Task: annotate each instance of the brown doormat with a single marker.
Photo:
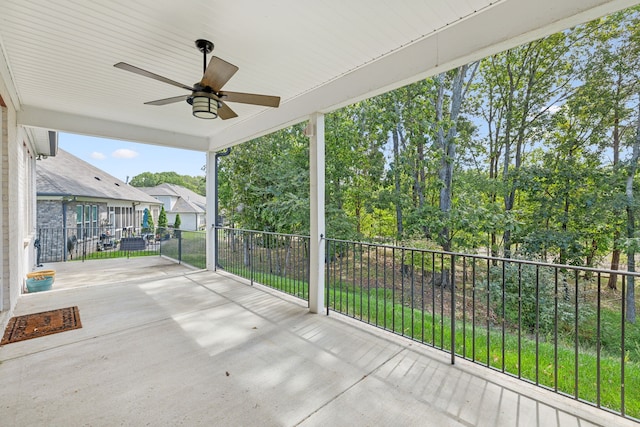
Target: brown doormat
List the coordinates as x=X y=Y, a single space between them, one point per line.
x=36 y=325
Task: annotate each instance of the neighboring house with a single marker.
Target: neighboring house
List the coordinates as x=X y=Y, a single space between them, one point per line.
x=77 y=201
x=179 y=200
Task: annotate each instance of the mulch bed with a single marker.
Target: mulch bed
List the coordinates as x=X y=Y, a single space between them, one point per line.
x=36 y=325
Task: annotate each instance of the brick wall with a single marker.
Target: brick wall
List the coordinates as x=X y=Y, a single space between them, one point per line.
x=5 y=292
x=17 y=185
x=49 y=213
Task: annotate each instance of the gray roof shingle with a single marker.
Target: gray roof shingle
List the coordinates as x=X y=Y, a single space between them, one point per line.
x=188 y=201
x=67 y=175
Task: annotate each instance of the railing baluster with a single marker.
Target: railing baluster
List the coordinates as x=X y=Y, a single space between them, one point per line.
x=577 y=343
x=537 y=325
x=598 y=306
x=327 y=280
x=412 y=294
x=623 y=351
x=433 y=299
x=393 y=289
x=442 y=283
x=488 y=313
x=453 y=309
x=555 y=331
x=376 y=287
x=368 y=283
x=519 y=320
x=464 y=307
x=402 y=272
x=422 y=295
x=473 y=312
x=503 y=322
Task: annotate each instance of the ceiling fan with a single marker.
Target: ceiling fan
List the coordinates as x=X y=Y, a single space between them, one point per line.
x=207 y=98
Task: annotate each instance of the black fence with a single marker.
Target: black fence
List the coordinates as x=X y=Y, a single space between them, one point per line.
x=559 y=327
x=60 y=244
x=280 y=261
x=556 y=326
x=186 y=247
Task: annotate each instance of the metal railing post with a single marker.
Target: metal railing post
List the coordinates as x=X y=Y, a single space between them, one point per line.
x=453 y=309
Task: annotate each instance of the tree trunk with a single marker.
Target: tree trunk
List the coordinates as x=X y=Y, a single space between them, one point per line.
x=631 y=266
x=287 y=256
x=246 y=252
x=615 y=264
x=396 y=180
x=447 y=145
x=615 y=256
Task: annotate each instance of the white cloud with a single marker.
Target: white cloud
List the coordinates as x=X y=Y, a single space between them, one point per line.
x=98 y=156
x=124 y=153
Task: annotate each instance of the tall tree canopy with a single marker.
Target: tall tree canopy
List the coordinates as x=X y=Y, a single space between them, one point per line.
x=528 y=153
x=151 y=179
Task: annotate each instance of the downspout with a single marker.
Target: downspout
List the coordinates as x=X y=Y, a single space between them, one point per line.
x=216 y=203
x=64 y=230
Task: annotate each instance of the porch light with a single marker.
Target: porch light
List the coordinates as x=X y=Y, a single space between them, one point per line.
x=205 y=106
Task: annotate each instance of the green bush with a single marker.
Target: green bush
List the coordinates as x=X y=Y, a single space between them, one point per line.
x=527 y=296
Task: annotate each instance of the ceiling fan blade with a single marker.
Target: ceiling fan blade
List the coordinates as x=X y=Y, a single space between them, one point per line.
x=224 y=112
x=218 y=72
x=145 y=73
x=168 y=100
x=251 y=98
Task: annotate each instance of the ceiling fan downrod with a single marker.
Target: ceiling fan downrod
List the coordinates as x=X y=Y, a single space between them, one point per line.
x=204 y=46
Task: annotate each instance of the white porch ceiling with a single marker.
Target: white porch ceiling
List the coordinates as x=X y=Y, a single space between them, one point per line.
x=57 y=57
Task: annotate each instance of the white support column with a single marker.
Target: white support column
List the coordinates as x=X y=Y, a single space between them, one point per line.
x=315 y=132
x=211 y=200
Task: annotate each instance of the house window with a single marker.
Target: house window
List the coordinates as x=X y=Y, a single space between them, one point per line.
x=87 y=221
x=94 y=220
x=79 y=216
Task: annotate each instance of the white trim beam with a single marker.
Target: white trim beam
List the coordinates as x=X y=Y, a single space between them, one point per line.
x=92 y=126
x=212 y=195
x=315 y=132
x=7 y=79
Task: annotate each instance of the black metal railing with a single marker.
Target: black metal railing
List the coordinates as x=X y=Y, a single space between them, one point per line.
x=280 y=261
x=58 y=244
x=556 y=326
x=187 y=247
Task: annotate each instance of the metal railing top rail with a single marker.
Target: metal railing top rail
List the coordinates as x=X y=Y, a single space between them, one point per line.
x=273 y=233
x=492 y=258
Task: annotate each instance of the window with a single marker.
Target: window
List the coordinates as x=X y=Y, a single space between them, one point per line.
x=87 y=221
x=79 y=216
x=94 y=220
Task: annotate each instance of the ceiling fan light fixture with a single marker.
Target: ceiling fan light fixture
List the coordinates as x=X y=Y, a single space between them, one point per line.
x=204 y=107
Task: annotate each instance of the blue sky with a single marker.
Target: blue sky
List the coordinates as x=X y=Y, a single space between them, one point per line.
x=122 y=158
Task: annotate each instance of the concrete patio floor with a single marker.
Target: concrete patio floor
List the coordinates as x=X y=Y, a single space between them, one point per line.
x=164 y=345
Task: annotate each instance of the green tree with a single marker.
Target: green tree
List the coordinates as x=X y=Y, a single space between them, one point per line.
x=196 y=184
x=268 y=183
x=162 y=222
x=514 y=95
x=178 y=222
x=610 y=81
x=447 y=116
x=150 y=223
